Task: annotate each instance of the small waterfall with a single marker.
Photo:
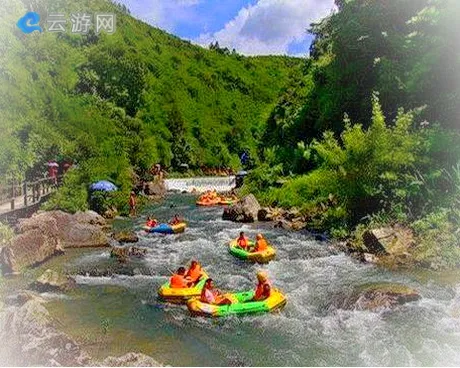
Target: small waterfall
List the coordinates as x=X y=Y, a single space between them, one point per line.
x=221 y=184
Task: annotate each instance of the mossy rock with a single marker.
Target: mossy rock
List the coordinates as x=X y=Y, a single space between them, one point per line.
x=376 y=296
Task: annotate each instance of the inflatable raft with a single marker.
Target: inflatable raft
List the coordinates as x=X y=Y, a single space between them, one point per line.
x=241 y=304
x=166 y=228
x=181 y=295
x=214 y=202
x=259 y=257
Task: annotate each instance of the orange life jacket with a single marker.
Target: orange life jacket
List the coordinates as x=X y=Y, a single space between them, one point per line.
x=261 y=245
x=194 y=273
x=178 y=282
x=260 y=294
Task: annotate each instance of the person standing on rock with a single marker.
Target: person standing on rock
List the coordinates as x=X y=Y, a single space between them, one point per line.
x=132 y=204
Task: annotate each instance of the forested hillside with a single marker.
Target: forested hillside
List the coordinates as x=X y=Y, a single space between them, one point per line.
x=122 y=102
x=370 y=133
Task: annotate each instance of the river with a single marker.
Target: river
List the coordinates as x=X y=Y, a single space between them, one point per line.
x=115 y=309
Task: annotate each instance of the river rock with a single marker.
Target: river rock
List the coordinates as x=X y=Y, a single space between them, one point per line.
x=155 y=188
x=265 y=214
x=380 y=296
x=126 y=237
x=54 y=281
x=389 y=240
x=131 y=360
x=123 y=253
x=245 y=210
x=30 y=339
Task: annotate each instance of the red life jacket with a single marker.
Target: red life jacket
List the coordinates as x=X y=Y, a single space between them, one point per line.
x=242 y=242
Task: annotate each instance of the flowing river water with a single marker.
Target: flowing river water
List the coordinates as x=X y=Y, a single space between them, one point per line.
x=115 y=309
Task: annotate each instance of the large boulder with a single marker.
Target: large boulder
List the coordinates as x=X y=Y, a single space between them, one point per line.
x=54 y=281
x=77 y=235
x=155 y=188
x=90 y=217
x=131 y=360
x=389 y=240
x=47 y=233
x=36 y=245
x=81 y=230
x=379 y=296
x=245 y=210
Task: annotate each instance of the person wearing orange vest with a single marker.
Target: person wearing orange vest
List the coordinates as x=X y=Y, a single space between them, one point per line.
x=263 y=287
x=213 y=296
x=178 y=280
x=194 y=273
x=242 y=241
x=261 y=243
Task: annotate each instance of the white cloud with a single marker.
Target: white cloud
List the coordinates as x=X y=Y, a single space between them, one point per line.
x=269 y=26
x=165 y=14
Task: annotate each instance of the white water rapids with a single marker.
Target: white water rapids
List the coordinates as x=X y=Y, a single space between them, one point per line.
x=310 y=331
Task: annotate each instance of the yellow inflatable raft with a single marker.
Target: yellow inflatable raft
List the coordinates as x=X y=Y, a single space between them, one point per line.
x=181 y=295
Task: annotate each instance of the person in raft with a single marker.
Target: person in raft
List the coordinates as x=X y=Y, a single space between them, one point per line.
x=263 y=287
x=151 y=222
x=242 y=241
x=194 y=272
x=178 y=280
x=261 y=243
x=176 y=220
x=210 y=295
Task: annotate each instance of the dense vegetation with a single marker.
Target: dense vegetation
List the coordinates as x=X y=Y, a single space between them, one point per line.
x=117 y=104
x=369 y=133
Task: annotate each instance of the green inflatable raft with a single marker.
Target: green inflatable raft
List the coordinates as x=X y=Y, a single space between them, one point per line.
x=259 y=257
x=241 y=304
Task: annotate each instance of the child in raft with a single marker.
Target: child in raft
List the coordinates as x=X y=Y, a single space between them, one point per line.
x=242 y=241
x=210 y=295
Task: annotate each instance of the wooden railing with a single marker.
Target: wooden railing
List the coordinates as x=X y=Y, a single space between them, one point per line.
x=25 y=194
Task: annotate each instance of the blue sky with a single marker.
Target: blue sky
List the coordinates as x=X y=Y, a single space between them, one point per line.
x=252 y=27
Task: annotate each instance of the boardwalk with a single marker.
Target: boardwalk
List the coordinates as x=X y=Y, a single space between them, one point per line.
x=26 y=195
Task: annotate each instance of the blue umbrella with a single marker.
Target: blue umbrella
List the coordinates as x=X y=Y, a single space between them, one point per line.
x=104 y=185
